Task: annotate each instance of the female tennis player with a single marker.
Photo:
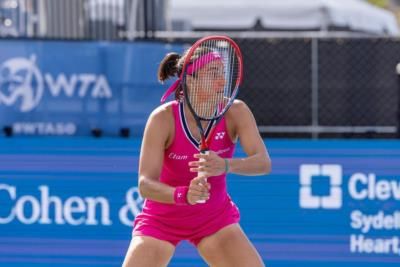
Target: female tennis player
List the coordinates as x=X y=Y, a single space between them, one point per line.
x=180 y=203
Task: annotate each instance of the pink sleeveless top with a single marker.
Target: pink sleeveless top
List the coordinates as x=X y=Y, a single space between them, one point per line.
x=175 y=172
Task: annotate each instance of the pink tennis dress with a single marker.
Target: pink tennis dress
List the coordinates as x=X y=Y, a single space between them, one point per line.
x=174 y=223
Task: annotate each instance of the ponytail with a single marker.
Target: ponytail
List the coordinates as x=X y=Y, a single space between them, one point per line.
x=168 y=67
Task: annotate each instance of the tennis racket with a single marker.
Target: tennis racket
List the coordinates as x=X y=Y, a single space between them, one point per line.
x=211 y=75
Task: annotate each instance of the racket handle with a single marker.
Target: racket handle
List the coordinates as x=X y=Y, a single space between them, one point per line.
x=202 y=173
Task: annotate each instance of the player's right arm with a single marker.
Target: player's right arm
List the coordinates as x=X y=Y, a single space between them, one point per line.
x=157 y=137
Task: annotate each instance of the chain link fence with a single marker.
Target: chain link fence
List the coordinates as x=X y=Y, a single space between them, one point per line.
x=277 y=80
x=333 y=87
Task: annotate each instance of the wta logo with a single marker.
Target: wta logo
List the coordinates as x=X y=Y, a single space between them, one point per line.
x=22 y=84
x=309 y=200
x=21 y=79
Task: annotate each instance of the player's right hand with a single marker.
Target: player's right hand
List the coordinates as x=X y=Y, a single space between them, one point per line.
x=199 y=189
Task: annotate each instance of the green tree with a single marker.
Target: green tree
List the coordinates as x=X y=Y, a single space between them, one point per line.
x=379 y=3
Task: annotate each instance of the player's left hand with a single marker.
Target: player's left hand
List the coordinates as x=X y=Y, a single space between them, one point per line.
x=213 y=165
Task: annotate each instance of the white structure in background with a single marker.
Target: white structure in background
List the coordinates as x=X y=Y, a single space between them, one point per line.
x=322 y=15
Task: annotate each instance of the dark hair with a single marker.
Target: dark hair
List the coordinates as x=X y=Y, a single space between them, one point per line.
x=172 y=64
x=168 y=66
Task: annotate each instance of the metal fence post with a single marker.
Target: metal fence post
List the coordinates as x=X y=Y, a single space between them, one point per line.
x=314 y=87
x=398 y=99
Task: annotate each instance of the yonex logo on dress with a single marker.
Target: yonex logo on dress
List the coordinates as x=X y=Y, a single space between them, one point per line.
x=219 y=135
x=307 y=199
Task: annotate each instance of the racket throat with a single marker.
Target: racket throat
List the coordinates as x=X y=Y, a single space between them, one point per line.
x=203 y=141
x=203 y=145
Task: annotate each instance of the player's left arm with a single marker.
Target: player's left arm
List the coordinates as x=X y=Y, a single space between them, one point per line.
x=244 y=127
x=257 y=161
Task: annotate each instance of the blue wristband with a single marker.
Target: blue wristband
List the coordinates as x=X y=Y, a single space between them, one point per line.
x=226 y=165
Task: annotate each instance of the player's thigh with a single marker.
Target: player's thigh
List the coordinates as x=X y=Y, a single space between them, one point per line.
x=229 y=247
x=148 y=252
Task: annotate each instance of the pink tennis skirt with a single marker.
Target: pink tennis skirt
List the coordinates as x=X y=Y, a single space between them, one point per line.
x=183 y=223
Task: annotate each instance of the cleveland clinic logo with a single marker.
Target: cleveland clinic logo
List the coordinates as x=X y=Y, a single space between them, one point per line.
x=308 y=199
x=23 y=84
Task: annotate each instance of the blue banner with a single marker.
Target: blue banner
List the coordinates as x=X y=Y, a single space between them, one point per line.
x=71 y=202
x=70 y=88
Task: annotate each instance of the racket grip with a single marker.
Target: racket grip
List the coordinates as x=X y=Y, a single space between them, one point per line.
x=202 y=173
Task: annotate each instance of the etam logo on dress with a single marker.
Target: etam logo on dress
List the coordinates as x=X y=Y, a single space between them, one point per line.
x=172 y=155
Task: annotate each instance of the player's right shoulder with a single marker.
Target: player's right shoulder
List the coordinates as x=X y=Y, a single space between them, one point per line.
x=162 y=114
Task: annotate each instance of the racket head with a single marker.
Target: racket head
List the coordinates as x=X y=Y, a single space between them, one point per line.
x=211 y=75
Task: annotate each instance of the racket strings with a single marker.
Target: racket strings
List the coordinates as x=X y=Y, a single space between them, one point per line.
x=213 y=84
